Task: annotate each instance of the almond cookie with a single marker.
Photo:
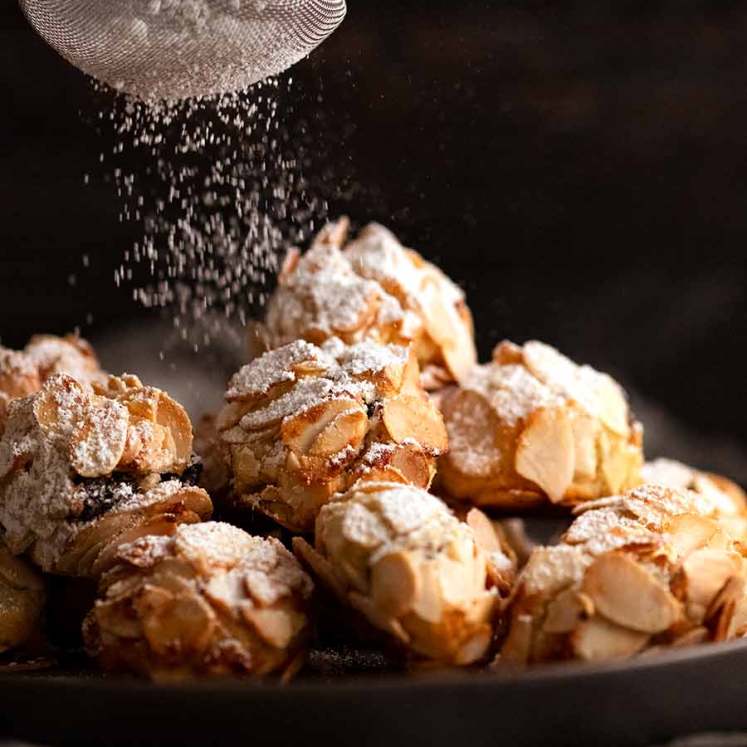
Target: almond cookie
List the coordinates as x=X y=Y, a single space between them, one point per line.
x=208 y=600
x=650 y=568
x=85 y=468
x=398 y=556
x=304 y=422
x=532 y=427
x=373 y=288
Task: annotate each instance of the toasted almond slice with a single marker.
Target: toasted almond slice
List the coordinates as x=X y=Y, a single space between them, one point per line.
x=688 y=532
x=182 y=623
x=692 y=637
x=97 y=444
x=428 y=602
x=548 y=365
x=705 y=572
x=413 y=417
x=475 y=648
x=731 y=591
x=598 y=639
x=274 y=626
x=172 y=416
x=348 y=429
x=457 y=588
x=627 y=594
x=517 y=648
x=724 y=608
x=460 y=355
x=739 y=620
x=377 y=618
x=507 y=352
x=621 y=463
x=59 y=404
x=612 y=405
x=482 y=527
x=300 y=431
x=584 y=444
x=545 y=452
x=410 y=462
x=472 y=426
x=564 y=612
x=440 y=319
x=394 y=584
x=333 y=234
x=384 y=474
x=319 y=565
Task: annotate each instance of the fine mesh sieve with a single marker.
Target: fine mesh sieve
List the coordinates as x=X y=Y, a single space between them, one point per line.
x=174 y=49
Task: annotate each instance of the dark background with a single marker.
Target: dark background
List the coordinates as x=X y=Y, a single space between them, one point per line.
x=580 y=168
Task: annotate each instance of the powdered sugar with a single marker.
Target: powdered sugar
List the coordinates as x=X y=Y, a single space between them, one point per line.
x=306 y=393
x=272 y=368
x=406 y=508
x=368 y=357
x=510 y=390
x=340 y=372
x=212 y=543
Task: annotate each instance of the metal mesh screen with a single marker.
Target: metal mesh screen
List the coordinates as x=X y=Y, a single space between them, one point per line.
x=175 y=49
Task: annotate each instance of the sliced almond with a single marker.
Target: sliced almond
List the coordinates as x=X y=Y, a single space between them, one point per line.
x=507 y=352
x=612 y=405
x=460 y=354
x=333 y=234
x=98 y=442
x=732 y=591
x=584 y=444
x=413 y=417
x=348 y=429
x=692 y=637
x=564 y=612
x=517 y=648
x=394 y=584
x=620 y=463
x=319 y=565
x=274 y=626
x=428 y=602
x=724 y=607
x=629 y=595
x=415 y=467
x=384 y=474
x=472 y=427
x=545 y=452
x=440 y=318
x=475 y=648
x=182 y=624
x=705 y=572
x=172 y=416
x=598 y=639
x=688 y=532
x=60 y=403
x=485 y=534
x=377 y=617
x=300 y=431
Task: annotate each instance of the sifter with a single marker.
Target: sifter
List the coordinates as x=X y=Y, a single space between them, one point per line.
x=175 y=49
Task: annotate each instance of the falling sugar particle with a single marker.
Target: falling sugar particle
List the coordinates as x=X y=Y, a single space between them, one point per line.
x=217 y=186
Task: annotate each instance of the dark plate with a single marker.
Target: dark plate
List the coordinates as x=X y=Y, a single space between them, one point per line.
x=646 y=701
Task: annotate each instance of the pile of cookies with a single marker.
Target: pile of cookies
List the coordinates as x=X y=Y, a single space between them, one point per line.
x=372 y=445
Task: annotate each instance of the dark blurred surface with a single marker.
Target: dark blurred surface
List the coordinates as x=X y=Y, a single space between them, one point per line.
x=581 y=168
